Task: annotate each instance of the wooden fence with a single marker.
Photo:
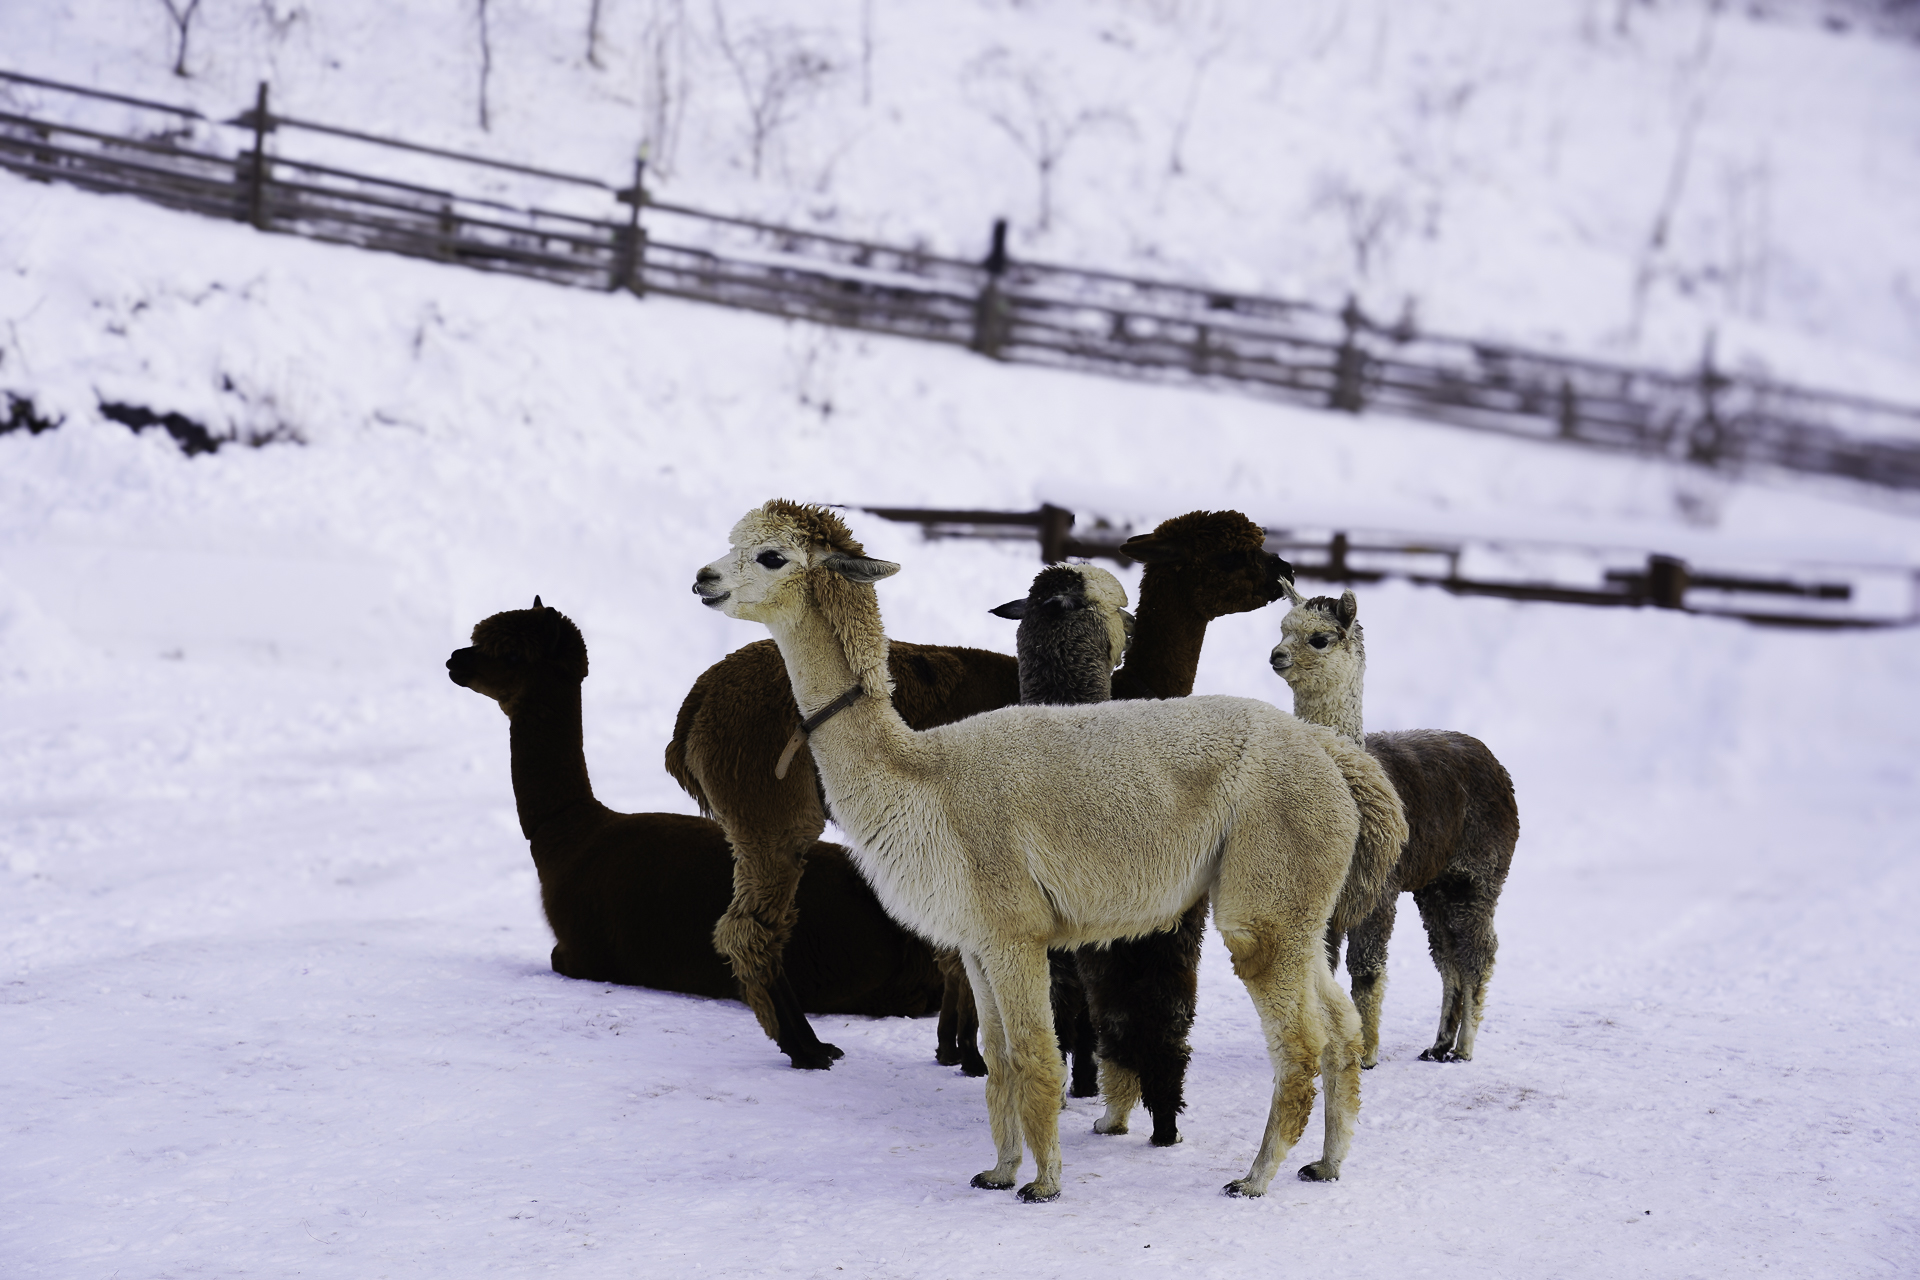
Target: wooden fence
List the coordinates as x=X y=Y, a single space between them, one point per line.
x=1000 y=307
x=1823 y=596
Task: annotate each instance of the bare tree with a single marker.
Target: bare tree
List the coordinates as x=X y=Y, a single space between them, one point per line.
x=1019 y=99
x=182 y=15
x=1371 y=220
x=664 y=84
x=486 y=63
x=777 y=68
x=593 y=33
x=1652 y=261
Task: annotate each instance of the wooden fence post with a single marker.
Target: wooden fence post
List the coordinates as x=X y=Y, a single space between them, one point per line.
x=1337 y=569
x=1350 y=363
x=1666 y=582
x=262 y=121
x=1054 y=523
x=630 y=242
x=991 y=318
x=1569 y=415
x=1707 y=439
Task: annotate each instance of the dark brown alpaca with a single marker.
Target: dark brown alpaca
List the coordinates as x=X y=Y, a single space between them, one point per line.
x=740 y=713
x=1462 y=820
x=632 y=897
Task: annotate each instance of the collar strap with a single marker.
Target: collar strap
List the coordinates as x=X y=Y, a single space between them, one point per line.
x=811 y=723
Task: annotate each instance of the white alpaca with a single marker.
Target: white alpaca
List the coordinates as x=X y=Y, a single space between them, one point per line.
x=1038 y=826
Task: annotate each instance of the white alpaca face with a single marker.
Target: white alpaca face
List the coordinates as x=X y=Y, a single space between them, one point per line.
x=1313 y=649
x=764 y=566
x=761 y=577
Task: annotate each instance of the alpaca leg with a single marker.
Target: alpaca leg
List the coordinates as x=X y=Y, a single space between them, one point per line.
x=1463 y=910
x=752 y=937
x=1121 y=1088
x=1003 y=1118
x=1447 y=909
x=1030 y=1073
x=1367 y=968
x=1142 y=994
x=1280 y=974
x=957 y=1039
x=1072 y=1024
x=1340 y=1067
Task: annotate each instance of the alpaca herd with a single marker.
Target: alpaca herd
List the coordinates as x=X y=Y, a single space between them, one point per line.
x=1034 y=843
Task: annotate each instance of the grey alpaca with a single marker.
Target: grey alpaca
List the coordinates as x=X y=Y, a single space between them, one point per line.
x=1074 y=629
x=1461 y=815
x=1137 y=997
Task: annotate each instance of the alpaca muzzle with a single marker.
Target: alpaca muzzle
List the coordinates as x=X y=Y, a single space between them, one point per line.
x=460 y=667
x=706 y=585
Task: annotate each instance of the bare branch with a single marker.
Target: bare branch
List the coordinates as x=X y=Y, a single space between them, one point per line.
x=486 y=64
x=1017 y=98
x=182 y=15
x=776 y=68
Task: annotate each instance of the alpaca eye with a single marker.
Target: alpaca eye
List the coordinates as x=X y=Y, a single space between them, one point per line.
x=1321 y=641
x=771 y=559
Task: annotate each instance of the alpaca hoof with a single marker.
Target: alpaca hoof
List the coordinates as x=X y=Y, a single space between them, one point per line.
x=1368 y=1066
x=1168 y=1139
x=1318 y=1172
x=991 y=1181
x=947 y=1056
x=1239 y=1188
x=818 y=1058
x=1439 y=1054
x=1112 y=1130
x=1030 y=1195
x=973 y=1065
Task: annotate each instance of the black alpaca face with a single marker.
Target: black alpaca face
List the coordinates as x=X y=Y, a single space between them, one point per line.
x=510 y=649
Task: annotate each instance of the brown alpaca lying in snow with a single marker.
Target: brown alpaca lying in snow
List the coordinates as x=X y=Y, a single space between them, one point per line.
x=633 y=897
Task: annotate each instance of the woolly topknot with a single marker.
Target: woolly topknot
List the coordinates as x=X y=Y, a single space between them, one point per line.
x=1212 y=531
x=542 y=634
x=815 y=525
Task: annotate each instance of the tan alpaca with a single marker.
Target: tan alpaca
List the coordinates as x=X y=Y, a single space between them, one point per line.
x=1462 y=822
x=1037 y=826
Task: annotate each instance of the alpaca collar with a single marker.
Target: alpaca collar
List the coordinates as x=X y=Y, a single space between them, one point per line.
x=811 y=723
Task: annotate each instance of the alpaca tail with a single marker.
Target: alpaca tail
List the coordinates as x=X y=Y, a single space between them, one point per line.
x=677 y=749
x=1383 y=832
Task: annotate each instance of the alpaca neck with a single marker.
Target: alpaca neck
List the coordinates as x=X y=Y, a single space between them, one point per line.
x=1167 y=635
x=1335 y=705
x=818 y=668
x=549 y=763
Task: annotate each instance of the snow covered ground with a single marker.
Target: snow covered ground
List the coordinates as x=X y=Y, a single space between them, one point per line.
x=275 y=989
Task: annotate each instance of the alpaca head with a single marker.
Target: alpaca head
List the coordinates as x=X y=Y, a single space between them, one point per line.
x=1216 y=561
x=790 y=559
x=1322 y=647
x=518 y=650
x=1076 y=599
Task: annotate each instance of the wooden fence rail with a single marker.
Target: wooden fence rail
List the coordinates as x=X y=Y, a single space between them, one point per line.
x=1003 y=308
x=1821 y=597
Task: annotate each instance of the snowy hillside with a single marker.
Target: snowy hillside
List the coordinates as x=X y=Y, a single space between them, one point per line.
x=1615 y=176
x=276 y=998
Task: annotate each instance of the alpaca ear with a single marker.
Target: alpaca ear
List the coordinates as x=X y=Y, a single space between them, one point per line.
x=1294 y=598
x=537 y=604
x=1146 y=550
x=859 y=568
x=1127 y=621
x=1348 y=610
x=1014 y=609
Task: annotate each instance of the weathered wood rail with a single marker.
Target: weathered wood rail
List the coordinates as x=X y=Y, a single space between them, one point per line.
x=1825 y=595
x=1001 y=307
